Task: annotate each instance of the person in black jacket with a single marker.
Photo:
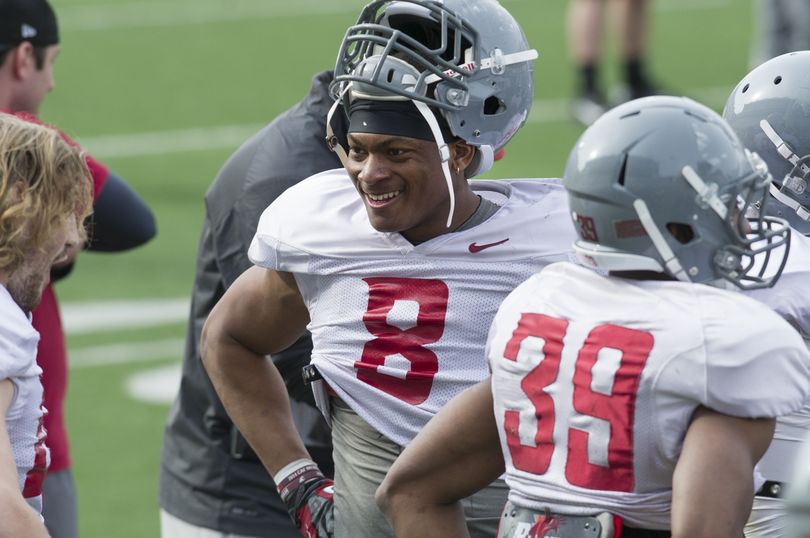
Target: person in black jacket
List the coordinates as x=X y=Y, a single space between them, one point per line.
x=209 y=476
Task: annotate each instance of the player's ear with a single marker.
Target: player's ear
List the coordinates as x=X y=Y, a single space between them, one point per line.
x=22 y=60
x=461 y=155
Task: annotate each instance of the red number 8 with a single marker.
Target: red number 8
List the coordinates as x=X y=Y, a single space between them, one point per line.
x=432 y=297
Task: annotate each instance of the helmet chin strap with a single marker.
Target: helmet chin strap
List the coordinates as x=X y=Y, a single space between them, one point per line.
x=444 y=153
x=332 y=139
x=789 y=155
x=671 y=261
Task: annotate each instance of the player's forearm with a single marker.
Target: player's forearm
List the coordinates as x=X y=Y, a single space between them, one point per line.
x=255 y=396
x=19 y=519
x=456 y=454
x=411 y=518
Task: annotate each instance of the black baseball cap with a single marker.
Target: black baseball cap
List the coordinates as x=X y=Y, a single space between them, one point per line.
x=27 y=20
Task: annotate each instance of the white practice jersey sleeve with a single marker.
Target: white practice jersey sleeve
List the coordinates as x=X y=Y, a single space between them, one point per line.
x=595 y=380
x=790 y=298
x=399 y=329
x=18 y=349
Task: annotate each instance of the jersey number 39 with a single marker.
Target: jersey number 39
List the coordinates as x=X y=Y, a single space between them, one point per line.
x=616 y=407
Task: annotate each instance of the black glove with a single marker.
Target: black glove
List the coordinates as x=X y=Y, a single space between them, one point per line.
x=308 y=496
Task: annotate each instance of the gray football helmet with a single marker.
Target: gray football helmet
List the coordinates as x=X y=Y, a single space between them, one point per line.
x=663 y=184
x=770 y=112
x=467 y=59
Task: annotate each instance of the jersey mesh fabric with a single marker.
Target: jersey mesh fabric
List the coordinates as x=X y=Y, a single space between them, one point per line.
x=398 y=329
x=18 y=342
x=695 y=345
x=790 y=298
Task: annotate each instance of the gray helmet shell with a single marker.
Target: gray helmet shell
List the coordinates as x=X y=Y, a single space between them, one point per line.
x=663 y=184
x=452 y=55
x=772 y=103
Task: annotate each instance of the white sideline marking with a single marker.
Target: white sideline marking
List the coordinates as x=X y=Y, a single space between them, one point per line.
x=166 y=142
x=83 y=318
x=232 y=136
x=165 y=14
x=689 y=5
x=157 y=385
x=125 y=352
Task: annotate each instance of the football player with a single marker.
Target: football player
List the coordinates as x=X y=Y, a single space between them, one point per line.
x=29 y=46
x=629 y=404
x=45 y=195
x=396 y=262
x=770 y=111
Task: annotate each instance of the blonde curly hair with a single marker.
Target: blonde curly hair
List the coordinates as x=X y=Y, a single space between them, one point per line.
x=42 y=179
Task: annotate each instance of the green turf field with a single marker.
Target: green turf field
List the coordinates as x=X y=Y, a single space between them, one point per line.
x=164 y=91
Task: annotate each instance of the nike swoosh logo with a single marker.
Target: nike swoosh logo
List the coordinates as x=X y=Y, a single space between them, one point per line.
x=478 y=248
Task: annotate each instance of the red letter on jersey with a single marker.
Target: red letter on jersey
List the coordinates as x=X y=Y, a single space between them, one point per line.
x=432 y=297
x=618 y=408
x=36 y=475
x=536 y=459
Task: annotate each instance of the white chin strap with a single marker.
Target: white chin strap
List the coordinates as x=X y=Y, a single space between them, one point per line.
x=800 y=210
x=788 y=154
x=707 y=194
x=331 y=139
x=444 y=153
x=670 y=261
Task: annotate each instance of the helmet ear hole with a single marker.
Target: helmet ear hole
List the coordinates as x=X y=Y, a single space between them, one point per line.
x=683 y=233
x=493 y=106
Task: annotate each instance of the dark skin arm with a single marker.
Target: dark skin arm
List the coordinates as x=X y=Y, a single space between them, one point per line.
x=712 y=486
x=260 y=314
x=443 y=464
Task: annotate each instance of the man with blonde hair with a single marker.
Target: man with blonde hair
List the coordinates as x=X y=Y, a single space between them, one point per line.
x=45 y=195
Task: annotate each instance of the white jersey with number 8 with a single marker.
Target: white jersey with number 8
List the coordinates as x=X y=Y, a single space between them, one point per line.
x=399 y=329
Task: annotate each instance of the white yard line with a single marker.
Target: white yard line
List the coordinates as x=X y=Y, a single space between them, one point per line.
x=125 y=352
x=167 y=14
x=84 y=318
x=689 y=5
x=231 y=136
x=156 y=385
x=167 y=142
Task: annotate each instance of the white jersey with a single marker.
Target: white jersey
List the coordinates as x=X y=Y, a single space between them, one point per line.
x=790 y=298
x=18 y=351
x=399 y=329
x=595 y=380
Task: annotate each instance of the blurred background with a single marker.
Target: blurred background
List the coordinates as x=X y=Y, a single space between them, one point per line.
x=164 y=91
